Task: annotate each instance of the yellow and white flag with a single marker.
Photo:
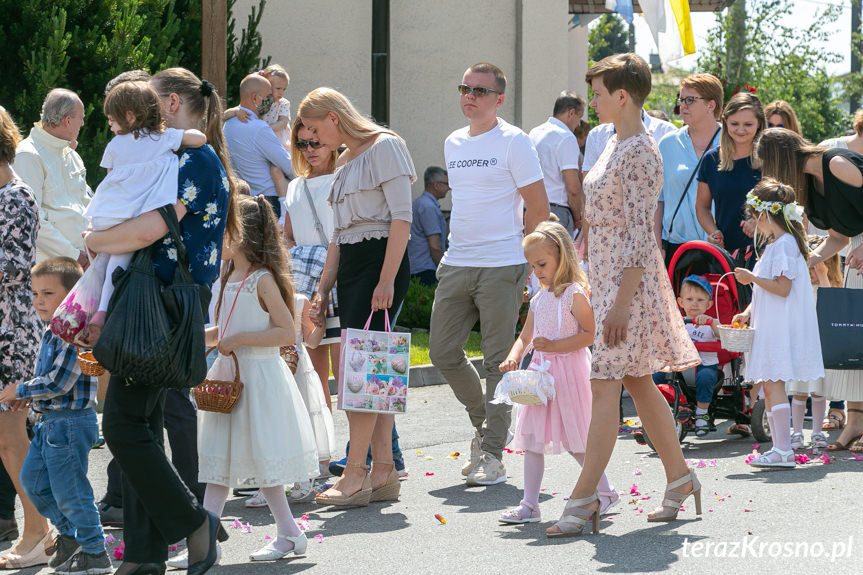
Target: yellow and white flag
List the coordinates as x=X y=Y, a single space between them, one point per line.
x=671 y=27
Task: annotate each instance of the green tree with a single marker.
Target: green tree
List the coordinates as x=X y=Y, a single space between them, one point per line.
x=608 y=35
x=781 y=61
x=82 y=44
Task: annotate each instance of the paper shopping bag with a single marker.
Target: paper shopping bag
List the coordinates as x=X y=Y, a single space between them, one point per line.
x=840 y=323
x=375 y=367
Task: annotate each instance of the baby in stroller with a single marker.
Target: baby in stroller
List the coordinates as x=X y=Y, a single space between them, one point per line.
x=696 y=297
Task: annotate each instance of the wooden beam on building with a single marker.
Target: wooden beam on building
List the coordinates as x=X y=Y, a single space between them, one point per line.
x=214 y=43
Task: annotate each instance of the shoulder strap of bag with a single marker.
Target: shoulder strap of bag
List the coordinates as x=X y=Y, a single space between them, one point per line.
x=170 y=216
x=318 y=226
x=686 y=189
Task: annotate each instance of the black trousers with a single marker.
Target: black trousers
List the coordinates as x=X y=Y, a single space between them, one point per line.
x=182 y=427
x=357 y=277
x=7 y=495
x=158 y=508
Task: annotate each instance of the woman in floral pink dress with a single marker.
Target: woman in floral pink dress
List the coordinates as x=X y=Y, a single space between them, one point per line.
x=639 y=329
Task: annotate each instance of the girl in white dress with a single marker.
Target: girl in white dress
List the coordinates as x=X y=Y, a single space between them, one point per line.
x=309 y=384
x=786 y=348
x=267 y=441
x=142 y=173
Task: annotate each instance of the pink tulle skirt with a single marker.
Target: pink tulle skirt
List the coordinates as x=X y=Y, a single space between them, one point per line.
x=562 y=424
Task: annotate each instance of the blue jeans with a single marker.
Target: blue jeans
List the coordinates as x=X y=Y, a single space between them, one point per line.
x=706 y=377
x=54 y=475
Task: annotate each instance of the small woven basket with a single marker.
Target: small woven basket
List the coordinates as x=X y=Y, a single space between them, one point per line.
x=736 y=339
x=525 y=398
x=291 y=357
x=219 y=396
x=88 y=364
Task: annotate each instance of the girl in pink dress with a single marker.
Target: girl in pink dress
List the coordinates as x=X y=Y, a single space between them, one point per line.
x=560 y=324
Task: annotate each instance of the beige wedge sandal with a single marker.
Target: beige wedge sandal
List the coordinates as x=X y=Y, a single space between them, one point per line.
x=360 y=498
x=389 y=491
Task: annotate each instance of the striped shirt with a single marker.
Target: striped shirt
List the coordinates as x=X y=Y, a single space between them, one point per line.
x=59 y=383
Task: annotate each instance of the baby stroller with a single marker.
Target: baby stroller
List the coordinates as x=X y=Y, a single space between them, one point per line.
x=731 y=394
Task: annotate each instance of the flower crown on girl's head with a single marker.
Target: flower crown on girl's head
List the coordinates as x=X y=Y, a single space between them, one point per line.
x=792 y=210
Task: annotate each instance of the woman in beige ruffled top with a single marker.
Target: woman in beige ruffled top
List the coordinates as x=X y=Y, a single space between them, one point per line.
x=371 y=201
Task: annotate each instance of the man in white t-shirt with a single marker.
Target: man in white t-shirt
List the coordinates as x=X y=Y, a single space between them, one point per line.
x=558 y=153
x=497 y=196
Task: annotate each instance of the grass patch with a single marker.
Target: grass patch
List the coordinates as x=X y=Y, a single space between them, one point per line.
x=420 y=347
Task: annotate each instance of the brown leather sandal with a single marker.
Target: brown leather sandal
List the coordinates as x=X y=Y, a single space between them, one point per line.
x=834 y=421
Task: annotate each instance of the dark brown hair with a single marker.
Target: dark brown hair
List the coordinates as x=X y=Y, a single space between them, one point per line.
x=141 y=101
x=786 y=112
x=623 y=72
x=202 y=101
x=261 y=242
x=783 y=156
x=833 y=265
x=770 y=190
x=67 y=270
x=9 y=137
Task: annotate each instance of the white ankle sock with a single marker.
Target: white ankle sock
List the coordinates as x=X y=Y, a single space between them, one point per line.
x=700 y=422
x=781 y=429
x=798 y=412
x=819 y=410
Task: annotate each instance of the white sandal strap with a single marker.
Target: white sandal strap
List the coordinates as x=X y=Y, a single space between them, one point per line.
x=678 y=482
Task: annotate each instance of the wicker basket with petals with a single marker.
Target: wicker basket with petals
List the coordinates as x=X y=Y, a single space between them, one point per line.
x=219 y=396
x=736 y=339
x=88 y=364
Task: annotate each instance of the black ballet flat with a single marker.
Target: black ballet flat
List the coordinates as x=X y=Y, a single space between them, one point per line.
x=217 y=533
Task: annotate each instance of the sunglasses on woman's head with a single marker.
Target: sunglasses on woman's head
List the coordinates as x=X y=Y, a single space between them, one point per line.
x=303 y=144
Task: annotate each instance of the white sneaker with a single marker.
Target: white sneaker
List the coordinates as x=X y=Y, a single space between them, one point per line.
x=475 y=451
x=256 y=500
x=489 y=470
x=181 y=561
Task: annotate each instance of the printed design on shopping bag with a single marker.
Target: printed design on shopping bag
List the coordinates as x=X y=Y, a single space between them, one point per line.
x=376 y=371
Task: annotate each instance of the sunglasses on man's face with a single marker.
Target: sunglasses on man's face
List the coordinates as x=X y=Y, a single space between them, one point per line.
x=303 y=144
x=478 y=91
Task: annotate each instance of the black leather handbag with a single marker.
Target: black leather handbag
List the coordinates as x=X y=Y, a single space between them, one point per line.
x=154 y=333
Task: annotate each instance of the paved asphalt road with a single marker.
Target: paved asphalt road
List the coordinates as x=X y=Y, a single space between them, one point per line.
x=753 y=522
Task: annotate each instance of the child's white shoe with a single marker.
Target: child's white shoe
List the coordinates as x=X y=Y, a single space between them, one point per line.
x=797 y=441
x=819 y=441
x=524 y=513
x=270 y=553
x=302 y=491
x=607 y=501
x=256 y=500
x=775 y=458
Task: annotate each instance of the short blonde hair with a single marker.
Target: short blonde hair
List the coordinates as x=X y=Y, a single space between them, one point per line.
x=738 y=103
x=623 y=72
x=555 y=237
x=274 y=70
x=783 y=109
x=9 y=137
x=298 y=160
x=322 y=101
x=708 y=87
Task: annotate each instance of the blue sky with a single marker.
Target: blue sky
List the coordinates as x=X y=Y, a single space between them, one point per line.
x=803 y=11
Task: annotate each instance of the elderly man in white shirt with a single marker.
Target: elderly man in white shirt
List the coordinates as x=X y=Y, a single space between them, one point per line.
x=558 y=153
x=253 y=146
x=47 y=161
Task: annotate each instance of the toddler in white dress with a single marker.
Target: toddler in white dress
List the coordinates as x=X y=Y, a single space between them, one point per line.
x=786 y=348
x=142 y=173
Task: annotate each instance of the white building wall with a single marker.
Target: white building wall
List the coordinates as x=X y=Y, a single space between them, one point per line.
x=328 y=43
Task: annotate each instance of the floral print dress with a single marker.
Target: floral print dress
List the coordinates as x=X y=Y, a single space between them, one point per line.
x=622 y=189
x=20 y=327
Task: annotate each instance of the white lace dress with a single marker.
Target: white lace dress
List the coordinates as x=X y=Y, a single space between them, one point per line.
x=267 y=440
x=786 y=346
x=309 y=384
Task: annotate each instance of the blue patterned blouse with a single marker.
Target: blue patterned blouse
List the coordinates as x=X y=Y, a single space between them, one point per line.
x=204 y=191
